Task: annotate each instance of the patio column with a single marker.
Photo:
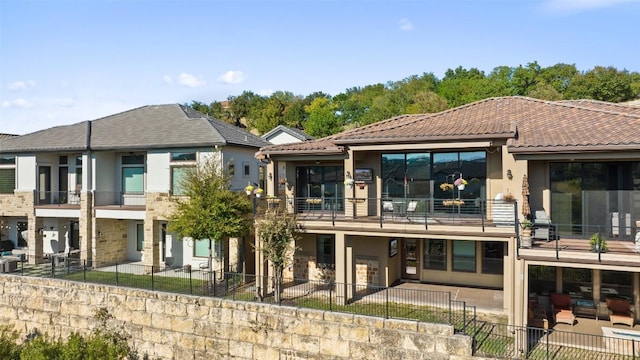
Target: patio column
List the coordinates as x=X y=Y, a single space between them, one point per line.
x=597 y=285
x=261 y=269
x=636 y=293
x=345 y=271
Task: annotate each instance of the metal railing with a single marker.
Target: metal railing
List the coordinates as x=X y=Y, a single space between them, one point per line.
x=488 y=339
x=472 y=212
x=56 y=198
x=106 y=198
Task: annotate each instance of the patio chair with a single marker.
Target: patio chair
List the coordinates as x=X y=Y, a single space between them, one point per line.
x=411 y=208
x=620 y=312
x=537 y=317
x=561 y=308
x=387 y=208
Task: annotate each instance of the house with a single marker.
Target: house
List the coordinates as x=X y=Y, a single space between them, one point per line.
x=101 y=189
x=439 y=198
x=285 y=135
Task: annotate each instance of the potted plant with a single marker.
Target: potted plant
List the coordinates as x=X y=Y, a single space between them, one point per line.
x=446 y=186
x=460 y=183
x=598 y=243
x=249 y=189
x=258 y=192
x=525 y=238
x=348 y=182
x=508 y=197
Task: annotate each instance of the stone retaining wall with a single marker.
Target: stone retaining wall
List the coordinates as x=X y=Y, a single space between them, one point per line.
x=170 y=326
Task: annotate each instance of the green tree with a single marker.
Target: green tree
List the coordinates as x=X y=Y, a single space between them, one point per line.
x=277 y=231
x=322 y=120
x=602 y=83
x=246 y=107
x=210 y=210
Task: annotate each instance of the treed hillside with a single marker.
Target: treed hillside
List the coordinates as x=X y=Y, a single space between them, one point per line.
x=321 y=114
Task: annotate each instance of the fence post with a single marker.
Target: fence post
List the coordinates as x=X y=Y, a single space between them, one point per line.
x=152 y=279
x=53 y=267
x=330 y=297
x=117 y=274
x=212 y=279
x=633 y=348
x=190 y=284
x=450 y=310
x=386 y=303
x=84 y=270
x=547 y=341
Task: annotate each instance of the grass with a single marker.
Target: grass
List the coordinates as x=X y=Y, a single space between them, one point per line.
x=157 y=283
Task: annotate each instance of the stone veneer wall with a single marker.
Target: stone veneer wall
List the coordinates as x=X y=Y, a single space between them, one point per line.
x=111 y=245
x=170 y=326
x=367 y=271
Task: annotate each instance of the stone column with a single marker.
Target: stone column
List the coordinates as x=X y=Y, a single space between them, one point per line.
x=35 y=240
x=261 y=269
x=345 y=269
x=85 y=226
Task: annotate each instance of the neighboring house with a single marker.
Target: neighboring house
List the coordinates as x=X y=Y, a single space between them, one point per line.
x=285 y=135
x=102 y=188
x=376 y=207
x=6 y=136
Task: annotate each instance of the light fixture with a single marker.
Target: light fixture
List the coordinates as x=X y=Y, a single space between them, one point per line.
x=270 y=176
x=509 y=174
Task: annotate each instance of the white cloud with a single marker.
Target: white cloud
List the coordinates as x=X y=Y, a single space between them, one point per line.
x=167 y=79
x=232 y=77
x=405 y=24
x=21 y=85
x=265 y=92
x=190 y=80
x=571 y=5
x=17 y=103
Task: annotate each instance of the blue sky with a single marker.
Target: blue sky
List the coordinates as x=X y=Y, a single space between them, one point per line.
x=66 y=61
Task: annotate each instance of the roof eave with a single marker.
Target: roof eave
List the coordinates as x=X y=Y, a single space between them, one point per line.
x=573 y=149
x=428 y=138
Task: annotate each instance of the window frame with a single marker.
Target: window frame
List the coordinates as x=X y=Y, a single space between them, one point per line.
x=8 y=166
x=324 y=259
x=458 y=259
x=180 y=160
x=488 y=266
x=429 y=260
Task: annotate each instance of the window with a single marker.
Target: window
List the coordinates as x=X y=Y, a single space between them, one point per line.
x=616 y=284
x=133 y=174
x=435 y=254
x=246 y=169
x=326 y=251
x=178 y=177
x=464 y=255
x=7 y=174
x=181 y=164
x=577 y=282
x=78 y=172
x=183 y=156
x=139 y=237
x=542 y=279
x=201 y=248
x=493 y=257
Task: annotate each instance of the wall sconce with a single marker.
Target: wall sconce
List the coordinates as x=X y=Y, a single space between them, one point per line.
x=509 y=174
x=270 y=176
x=40 y=230
x=348 y=176
x=99 y=234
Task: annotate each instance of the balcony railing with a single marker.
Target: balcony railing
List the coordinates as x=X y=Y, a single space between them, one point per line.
x=472 y=212
x=56 y=198
x=109 y=198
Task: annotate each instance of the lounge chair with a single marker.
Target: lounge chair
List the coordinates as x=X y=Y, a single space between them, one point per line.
x=620 y=312
x=561 y=308
x=537 y=317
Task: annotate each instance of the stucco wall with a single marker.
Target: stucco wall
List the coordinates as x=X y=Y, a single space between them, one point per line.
x=168 y=326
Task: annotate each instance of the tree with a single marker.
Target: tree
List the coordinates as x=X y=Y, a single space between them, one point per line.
x=210 y=210
x=277 y=230
x=322 y=120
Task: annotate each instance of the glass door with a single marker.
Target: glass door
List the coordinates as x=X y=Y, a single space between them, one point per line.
x=410 y=260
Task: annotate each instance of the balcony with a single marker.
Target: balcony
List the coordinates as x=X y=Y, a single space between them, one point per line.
x=476 y=215
x=69 y=199
x=119 y=199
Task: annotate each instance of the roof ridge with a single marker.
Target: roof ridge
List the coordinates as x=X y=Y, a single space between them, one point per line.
x=574 y=105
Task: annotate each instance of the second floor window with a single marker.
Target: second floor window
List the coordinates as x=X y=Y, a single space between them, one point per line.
x=133 y=174
x=7 y=174
x=181 y=164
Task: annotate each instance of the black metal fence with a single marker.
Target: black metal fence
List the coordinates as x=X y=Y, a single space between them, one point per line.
x=489 y=339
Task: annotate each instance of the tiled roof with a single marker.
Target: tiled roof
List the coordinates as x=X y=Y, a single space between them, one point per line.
x=529 y=125
x=147 y=127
